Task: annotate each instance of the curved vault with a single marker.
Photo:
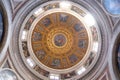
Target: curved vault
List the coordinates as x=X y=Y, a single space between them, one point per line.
x=52 y=40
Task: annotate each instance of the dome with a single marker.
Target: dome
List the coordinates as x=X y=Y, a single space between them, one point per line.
x=59 y=40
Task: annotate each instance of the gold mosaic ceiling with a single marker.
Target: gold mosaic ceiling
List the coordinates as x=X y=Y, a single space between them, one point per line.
x=59 y=40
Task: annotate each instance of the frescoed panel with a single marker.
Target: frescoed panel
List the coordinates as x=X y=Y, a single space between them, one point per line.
x=68 y=75
x=48 y=7
x=78 y=27
x=37 y=36
x=72 y=73
x=41 y=71
x=63 y=17
x=29 y=22
x=40 y=28
x=81 y=43
x=25 y=49
x=24 y=45
x=45 y=73
x=41 y=54
x=65 y=76
x=51 y=6
x=94 y=33
x=90 y=59
x=76 y=9
x=59 y=40
x=56 y=62
x=73 y=58
x=46 y=22
x=32 y=18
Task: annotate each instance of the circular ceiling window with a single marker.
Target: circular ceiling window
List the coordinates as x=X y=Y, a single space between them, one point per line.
x=112 y=6
x=60 y=38
x=117 y=65
x=4 y=30
x=7 y=74
x=118 y=56
x=1 y=25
